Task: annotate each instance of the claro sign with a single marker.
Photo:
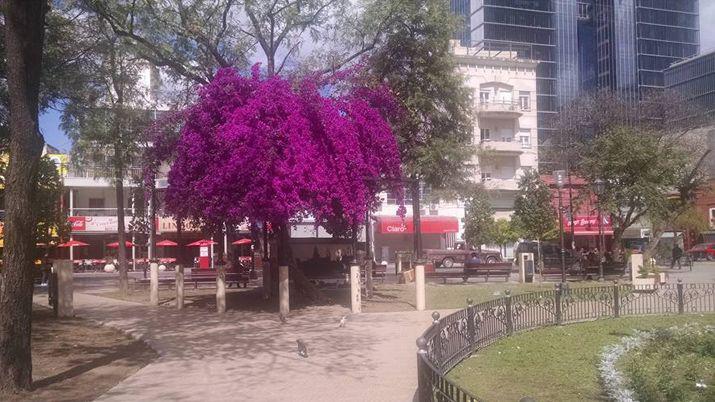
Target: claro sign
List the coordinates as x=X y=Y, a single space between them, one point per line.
x=402 y=228
x=429 y=224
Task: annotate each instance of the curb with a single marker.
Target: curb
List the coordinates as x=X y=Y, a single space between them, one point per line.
x=131 y=333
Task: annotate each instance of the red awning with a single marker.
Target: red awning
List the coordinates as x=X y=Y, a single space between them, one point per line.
x=586 y=225
x=430 y=224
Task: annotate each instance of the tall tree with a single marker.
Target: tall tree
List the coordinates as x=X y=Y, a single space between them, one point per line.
x=505 y=233
x=534 y=216
x=24 y=35
x=106 y=125
x=479 y=225
x=416 y=62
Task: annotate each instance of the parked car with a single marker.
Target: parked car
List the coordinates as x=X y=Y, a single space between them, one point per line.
x=702 y=251
x=447 y=258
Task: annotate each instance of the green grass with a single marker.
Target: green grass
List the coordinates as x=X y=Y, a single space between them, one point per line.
x=552 y=364
x=452 y=295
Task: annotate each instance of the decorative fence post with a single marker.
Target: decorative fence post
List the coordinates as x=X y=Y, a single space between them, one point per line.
x=423 y=375
x=437 y=344
x=507 y=312
x=681 y=302
x=557 y=304
x=471 y=332
x=616 y=300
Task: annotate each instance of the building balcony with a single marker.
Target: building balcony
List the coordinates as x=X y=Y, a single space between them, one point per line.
x=499 y=110
x=99 y=212
x=503 y=147
x=501 y=184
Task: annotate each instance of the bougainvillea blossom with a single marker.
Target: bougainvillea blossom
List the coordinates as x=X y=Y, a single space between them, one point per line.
x=270 y=149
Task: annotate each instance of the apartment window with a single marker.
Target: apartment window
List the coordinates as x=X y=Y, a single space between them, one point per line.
x=712 y=217
x=96 y=202
x=524 y=100
x=525 y=139
x=483 y=96
x=484 y=134
x=486 y=176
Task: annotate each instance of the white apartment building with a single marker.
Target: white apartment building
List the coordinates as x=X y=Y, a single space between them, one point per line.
x=505 y=142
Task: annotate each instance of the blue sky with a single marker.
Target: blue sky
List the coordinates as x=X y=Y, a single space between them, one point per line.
x=50 y=120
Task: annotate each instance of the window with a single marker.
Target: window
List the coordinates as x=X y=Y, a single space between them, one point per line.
x=96 y=202
x=484 y=134
x=524 y=102
x=483 y=96
x=712 y=217
x=525 y=139
x=486 y=176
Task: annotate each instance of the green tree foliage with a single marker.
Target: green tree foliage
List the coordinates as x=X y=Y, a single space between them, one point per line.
x=479 y=225
x=648 y=175
x=505 y=233
x=416 y=62
x=534 y=216
x=106 y=123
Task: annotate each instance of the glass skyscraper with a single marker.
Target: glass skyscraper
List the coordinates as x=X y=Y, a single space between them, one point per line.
x=585 y=44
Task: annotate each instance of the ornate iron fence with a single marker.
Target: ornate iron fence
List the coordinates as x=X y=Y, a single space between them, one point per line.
x=452 y=338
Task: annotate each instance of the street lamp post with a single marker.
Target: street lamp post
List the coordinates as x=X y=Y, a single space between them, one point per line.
x=559 y=179
x=599 y=187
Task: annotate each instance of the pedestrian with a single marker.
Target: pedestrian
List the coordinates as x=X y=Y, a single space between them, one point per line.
x=677 y=253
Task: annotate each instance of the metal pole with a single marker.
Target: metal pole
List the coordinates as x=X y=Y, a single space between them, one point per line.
x=561 y=234
x=600 y=242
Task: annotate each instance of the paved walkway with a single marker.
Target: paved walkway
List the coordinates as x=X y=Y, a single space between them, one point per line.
x=253 y=357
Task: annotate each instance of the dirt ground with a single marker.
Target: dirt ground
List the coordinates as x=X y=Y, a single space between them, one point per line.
x=75 y=360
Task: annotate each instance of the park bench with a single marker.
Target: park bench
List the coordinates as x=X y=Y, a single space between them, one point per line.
x=500 y=269
x=202 y=276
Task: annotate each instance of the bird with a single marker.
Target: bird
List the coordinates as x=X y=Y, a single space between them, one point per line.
x=302 y=348
x=343 y=321
x=282 y=318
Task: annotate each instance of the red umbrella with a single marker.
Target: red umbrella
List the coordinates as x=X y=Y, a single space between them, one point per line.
x=167 y=243
x=201 y=243
x=115 y=244
x=73 y=243
x=240 y=242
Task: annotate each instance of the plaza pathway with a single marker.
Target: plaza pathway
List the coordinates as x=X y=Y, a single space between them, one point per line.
x=249 y=356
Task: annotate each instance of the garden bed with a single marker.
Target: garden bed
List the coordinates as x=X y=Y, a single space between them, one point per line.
x=558 y=363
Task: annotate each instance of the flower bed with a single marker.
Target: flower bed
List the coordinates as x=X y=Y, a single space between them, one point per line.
x=668 y=364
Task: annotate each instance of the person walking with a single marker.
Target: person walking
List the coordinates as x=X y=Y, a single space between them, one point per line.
x=677 y=253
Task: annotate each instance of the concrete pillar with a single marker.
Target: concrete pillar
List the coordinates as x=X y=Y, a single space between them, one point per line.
x=355 y=296
x=154 y=284
x=65 y=288
x=636 y=264
x=179 y=287
x=284 y=290
x=398 y=263
x=221 y=290
x=420 y=286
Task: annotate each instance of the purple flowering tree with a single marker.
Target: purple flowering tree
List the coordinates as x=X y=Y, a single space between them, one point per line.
x=277 y=150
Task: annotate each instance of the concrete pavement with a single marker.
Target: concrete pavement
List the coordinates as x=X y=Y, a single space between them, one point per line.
x=251 y=356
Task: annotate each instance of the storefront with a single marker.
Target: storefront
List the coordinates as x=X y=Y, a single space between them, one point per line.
x=393 y=234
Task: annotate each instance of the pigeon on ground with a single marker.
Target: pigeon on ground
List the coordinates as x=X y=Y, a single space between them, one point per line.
x=282 y=318
x=302 y=348
x=343 y=321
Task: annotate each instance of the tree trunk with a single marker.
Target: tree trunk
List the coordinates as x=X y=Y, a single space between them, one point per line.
x=24 y=32
x=617 y=248
x=121 y=236
x=416 y=222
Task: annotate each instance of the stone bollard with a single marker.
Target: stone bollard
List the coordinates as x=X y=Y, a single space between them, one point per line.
x=154 y=284
x=420 y=286
x=65 y=288
x=398 y=264
x=284 y=290
x=636 y=265
x=221 y=290
x=355 y=297
x=179 y=287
